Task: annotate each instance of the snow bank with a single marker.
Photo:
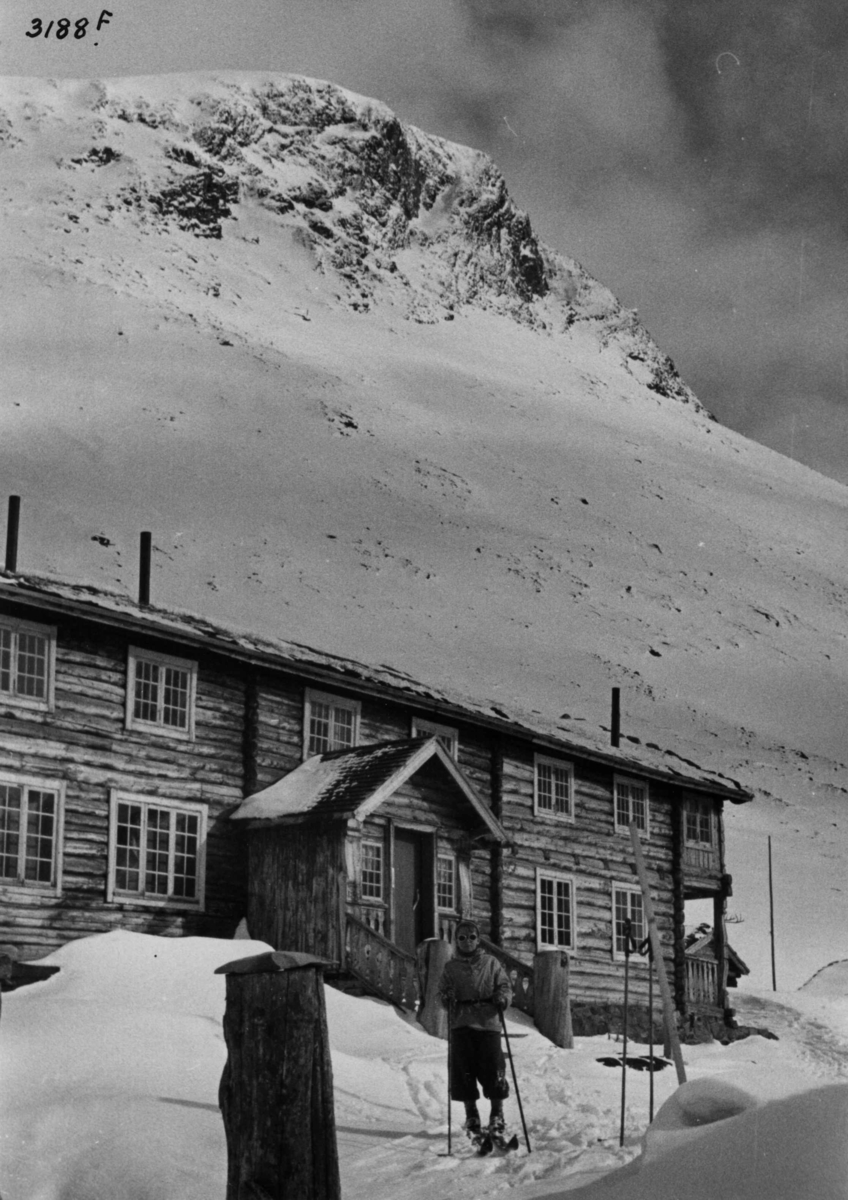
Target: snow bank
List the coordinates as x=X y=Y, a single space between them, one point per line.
x=111 y=1067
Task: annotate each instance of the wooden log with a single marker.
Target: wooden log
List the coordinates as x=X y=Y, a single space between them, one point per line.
x=276 y=1092
x=551 y=1000
x=433 y=954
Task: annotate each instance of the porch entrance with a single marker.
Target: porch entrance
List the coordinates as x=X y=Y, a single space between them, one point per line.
x=412 y=895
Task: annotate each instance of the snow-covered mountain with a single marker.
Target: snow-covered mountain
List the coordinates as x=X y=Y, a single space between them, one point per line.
x=323 y=357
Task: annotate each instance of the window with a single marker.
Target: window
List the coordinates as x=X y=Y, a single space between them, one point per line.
x=30 y=833
x=156 y=851
x=330 y=723
x=699 y=823
x=371 y=876
x=161 y=693
x=446 y=882
x=446 y=735
x=553 y=793
x=27 y=663
x=631 y=804
x=627 y=905
x=554 y=911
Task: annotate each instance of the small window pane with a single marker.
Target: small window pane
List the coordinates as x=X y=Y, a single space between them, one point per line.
x=146 y=690
x=320 y=716
x=128 y=848
x=628 y=906
x=5 y=660
x=553 y=789
x=372 y=871
x=342 y=728
x=547 y=911
x=32 y=666
x=555 y=915
x=175 y=700
x=446 y=882
x=631 y=804
x=41 y=819
x=11 y=804
x=185 y=854
x=156 y=861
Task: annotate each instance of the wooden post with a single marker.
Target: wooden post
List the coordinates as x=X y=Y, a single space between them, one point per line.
x=276 y=1092
x=551 y=1001
x=771 y=920
x=659 y=961
x=12 y=527
x=433 y=954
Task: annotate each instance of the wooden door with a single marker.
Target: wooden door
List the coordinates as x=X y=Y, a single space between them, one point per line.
x=412 y=895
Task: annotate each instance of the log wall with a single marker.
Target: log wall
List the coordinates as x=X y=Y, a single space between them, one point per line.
x=84 y=744
x=595 y=856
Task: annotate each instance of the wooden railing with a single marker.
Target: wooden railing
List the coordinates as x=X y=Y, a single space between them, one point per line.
x=520 y=975
x=381 y=965
x=701 y=981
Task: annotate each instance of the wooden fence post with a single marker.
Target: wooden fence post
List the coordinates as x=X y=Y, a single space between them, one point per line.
x=433 y=953
x=276 y=1092
x=551 y=1001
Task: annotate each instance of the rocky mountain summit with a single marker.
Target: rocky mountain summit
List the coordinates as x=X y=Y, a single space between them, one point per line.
x=387 y=213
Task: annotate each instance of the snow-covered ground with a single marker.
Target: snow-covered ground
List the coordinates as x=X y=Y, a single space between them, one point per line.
x=111 y=1068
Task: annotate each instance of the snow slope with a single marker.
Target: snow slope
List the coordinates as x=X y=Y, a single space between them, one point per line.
x=326 y=361
x=111 y=1070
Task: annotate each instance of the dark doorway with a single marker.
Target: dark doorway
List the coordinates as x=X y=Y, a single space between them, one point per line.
x=412 y=901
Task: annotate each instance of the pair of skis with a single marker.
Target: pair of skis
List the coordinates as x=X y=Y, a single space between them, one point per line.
x=485 y=1142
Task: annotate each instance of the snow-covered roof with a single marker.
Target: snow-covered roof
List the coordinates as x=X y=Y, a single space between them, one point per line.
x=353 y=783
x=87 y=602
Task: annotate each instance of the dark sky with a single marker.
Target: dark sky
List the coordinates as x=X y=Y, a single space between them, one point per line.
x=692 y=154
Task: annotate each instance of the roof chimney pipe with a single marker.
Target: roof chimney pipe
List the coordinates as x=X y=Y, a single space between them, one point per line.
x=12 y=526
x=144 y=570
x=615 y=724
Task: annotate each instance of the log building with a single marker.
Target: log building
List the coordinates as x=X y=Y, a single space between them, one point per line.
x=164 y=775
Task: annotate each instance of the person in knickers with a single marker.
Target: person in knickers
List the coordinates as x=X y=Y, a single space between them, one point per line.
x=476 y=989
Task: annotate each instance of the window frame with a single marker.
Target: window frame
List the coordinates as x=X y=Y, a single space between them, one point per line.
x=631 y=781
x=310 y=696
x=28 y=887
x=705 y=807
x=542 y=873
x=629 y=889
x=136 y=724
x=114 y=895
x=560 y=764
x=448 y=855
x=16 y=626
x=423 y=727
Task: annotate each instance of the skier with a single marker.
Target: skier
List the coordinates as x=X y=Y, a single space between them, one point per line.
x=476 y=989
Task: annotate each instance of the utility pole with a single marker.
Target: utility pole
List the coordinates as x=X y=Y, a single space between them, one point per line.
x=771 y=920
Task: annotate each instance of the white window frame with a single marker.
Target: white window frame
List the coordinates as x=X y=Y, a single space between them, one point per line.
x=380 y=844
x=703 y=807
x=181 y=903
x=421 y=727
x=448 y=856
x=559 y=765
x=35 y=703
x=135 y=655
x=556 y=877
x=627 y=889
x=630 y=781
x=28 y=886
x=354 y=706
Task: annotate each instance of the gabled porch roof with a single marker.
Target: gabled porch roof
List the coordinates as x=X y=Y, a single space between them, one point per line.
x=353 y=783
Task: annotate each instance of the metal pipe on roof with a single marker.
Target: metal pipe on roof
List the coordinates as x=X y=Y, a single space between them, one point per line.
x=12 y=527
x=615 y=724
x=144 y=569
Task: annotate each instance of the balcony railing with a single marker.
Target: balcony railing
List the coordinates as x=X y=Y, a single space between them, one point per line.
x=381 y=965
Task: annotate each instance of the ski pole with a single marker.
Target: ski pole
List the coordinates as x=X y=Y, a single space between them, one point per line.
x=627 y=930
x=450 y=1066
x=514 y=1080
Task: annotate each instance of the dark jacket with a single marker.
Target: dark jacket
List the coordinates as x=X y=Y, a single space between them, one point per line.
x=476 y=987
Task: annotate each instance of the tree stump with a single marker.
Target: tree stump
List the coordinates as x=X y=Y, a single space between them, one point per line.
x=433 y=953
x=551 y=1001
x=276 y=1092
